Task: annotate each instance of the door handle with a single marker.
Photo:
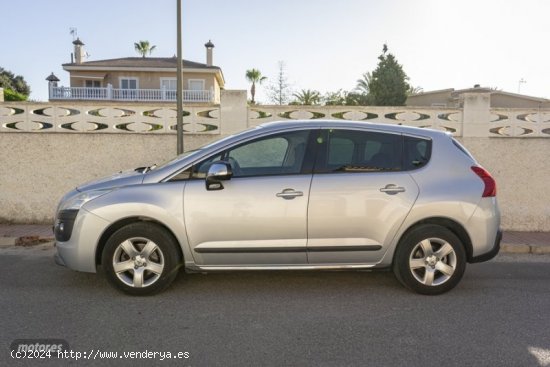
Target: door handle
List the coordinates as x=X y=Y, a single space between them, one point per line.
x=289 y=194
x=392 y=189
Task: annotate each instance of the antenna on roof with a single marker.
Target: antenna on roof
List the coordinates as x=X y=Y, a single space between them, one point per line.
x=73 y=32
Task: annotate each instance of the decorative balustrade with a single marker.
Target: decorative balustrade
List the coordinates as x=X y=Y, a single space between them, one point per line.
x=441 y=119
x=72 y=118
x=519 y=123
x=91 y=117
x=114 y=94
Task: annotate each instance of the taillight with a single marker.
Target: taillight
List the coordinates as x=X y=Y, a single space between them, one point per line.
x=488 y=180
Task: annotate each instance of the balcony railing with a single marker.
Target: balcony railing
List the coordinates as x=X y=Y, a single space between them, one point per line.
x=113 y=94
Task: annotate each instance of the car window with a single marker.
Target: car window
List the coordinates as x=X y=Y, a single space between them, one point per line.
x=273 y=155
x=417 y=152
x=360 y=151
x=263 y=153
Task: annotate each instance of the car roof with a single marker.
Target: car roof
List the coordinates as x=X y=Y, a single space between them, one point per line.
x=279 y=125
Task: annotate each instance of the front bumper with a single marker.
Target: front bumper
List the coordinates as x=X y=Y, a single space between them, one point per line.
x=491 y=254
x=78 y=252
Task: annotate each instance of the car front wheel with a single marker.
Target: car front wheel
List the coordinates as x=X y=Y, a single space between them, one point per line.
x=141 y=259
x=430 y=260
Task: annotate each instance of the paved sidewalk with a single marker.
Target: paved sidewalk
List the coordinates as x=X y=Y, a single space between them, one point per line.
x=512 y=242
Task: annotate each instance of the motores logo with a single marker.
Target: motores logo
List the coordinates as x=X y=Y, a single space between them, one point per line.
x=51 y=347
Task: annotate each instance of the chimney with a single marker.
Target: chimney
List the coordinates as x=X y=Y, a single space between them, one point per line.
x=209 y=46
x=78 y=51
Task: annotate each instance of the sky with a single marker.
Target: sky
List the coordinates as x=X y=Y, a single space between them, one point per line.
x=325 y=45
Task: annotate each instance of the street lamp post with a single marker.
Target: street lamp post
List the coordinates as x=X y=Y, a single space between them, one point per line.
x=179 y=89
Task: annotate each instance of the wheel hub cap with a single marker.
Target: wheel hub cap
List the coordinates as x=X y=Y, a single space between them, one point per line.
x=139 y=261
x=431 y=260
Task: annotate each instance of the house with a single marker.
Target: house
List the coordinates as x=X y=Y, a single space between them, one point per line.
x=150 y=79
x=453 y=98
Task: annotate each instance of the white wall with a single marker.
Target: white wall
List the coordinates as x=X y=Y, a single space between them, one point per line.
x=40 y=159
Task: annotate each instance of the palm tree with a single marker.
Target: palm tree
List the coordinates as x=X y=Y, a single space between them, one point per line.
x=414 y=90
x=254 y=76
x=143 y=48
x=307 y=97
x=363 y=83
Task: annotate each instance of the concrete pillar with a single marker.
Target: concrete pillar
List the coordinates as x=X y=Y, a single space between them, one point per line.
x=233 y=111
x=1 y=94
x=476 y=114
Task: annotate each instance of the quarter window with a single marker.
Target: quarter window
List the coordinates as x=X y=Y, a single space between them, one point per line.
x=416 y=152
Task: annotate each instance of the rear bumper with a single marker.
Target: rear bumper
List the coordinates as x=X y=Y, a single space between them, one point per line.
x=492 y=253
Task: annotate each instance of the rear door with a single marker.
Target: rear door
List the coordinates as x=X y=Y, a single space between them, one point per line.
x=360 y=195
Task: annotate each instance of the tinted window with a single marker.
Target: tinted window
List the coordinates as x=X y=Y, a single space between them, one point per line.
x=360 y=151
x=417 y=152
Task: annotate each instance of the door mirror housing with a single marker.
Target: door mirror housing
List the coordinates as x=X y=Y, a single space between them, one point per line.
x=217 y=172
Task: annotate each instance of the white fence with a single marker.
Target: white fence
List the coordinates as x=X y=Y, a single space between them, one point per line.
x=89 y=118
x=114 y=94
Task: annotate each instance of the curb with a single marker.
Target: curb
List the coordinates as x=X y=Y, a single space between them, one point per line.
x=8 y=241
x=509 y=248
x=24 y=241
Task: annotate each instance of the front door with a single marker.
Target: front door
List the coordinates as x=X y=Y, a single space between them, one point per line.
x=260 y=215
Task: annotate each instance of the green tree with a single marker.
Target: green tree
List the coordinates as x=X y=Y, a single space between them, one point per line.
x=358 y=99
x=254 y=76
x=15 y=86
x=337 y=98
x=388 y=85
x=307 y=97
x=143 y=48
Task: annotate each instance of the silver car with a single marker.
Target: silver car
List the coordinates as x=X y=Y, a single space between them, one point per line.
x=290 y=195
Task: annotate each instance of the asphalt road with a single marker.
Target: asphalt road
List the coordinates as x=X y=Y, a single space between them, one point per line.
x=498 y=316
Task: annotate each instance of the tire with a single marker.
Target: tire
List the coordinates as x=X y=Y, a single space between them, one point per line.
x=430 y=260
x=145 y=256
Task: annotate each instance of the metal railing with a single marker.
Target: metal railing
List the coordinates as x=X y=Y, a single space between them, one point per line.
x=114 y=94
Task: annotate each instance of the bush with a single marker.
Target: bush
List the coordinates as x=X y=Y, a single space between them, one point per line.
x=11 y=95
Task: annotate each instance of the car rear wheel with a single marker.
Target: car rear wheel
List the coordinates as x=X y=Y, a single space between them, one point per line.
x=430 y=260
x=141 y=259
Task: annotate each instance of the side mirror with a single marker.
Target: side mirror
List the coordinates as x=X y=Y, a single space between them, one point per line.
x=217 y=172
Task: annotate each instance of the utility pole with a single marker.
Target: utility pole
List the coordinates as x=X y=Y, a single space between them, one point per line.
x=179 y=89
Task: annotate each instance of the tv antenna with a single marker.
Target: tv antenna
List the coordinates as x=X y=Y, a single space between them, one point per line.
x=73 y=32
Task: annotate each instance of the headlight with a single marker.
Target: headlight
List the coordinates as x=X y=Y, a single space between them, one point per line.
x=76 y=202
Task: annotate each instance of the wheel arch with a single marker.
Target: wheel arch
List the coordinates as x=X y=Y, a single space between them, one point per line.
x=124 y=222
x=448 y=223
